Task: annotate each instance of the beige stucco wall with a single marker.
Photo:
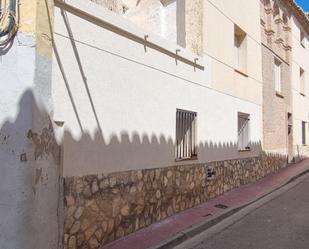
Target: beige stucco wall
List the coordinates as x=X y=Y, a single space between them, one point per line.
x=219 y=19
x=220 y=16
x=27 y=15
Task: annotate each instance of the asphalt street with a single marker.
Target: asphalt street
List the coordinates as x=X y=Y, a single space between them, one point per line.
x=279 y=223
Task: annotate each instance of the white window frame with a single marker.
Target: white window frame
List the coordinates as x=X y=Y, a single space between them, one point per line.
x=278 y=72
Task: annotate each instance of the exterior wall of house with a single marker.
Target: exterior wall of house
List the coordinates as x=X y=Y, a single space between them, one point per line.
x=220 y=46
x=110 y=141
x=276 y=40
x=14 y=125
x=102 y=111
x=300 y=102
x=275 y=106
x=29 y=187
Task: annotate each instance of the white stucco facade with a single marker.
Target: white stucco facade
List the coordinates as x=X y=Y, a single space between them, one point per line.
x=126 y=99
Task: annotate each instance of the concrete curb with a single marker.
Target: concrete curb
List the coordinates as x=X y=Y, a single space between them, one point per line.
x=202 y=226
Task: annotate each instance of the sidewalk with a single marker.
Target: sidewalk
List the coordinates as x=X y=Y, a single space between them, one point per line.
x=170 y=231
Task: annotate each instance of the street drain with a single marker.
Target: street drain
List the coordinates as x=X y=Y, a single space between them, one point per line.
x=221 y=206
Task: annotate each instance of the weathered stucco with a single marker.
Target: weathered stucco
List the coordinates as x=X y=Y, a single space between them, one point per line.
x=152 y=16
x=28 y=15
x=177 y=21
x=194 y=25
x=44 y=27
x=29 y=187
x=30 y=169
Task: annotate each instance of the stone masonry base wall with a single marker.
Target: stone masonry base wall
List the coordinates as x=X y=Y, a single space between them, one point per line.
x=103 y=208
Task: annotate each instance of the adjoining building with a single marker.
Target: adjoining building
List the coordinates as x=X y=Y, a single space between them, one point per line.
x=284 y=30
x=277 y=85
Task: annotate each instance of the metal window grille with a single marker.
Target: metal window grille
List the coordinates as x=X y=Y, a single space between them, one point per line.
x=186 y=135
x=243 y=131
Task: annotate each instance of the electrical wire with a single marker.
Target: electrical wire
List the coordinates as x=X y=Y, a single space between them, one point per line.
x=8 y=21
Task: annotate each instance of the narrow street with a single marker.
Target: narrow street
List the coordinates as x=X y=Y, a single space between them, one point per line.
x=282 y=223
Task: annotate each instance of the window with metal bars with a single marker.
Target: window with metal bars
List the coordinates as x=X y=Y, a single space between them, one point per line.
x=243 y=131
x=186 y=135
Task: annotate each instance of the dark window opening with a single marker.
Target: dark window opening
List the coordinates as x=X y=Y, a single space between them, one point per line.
x=186 y=136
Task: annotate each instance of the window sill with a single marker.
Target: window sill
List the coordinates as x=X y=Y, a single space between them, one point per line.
x=244 y=149
x=278 y=94
x=241 y=72
x=186 y=159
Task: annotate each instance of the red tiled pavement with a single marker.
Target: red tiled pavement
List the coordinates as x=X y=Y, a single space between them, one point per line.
x=168 y=227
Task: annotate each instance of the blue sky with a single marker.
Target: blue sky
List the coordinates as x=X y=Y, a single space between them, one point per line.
x=304 y=4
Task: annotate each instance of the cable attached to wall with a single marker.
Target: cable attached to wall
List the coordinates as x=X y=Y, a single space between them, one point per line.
x=8 y=21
